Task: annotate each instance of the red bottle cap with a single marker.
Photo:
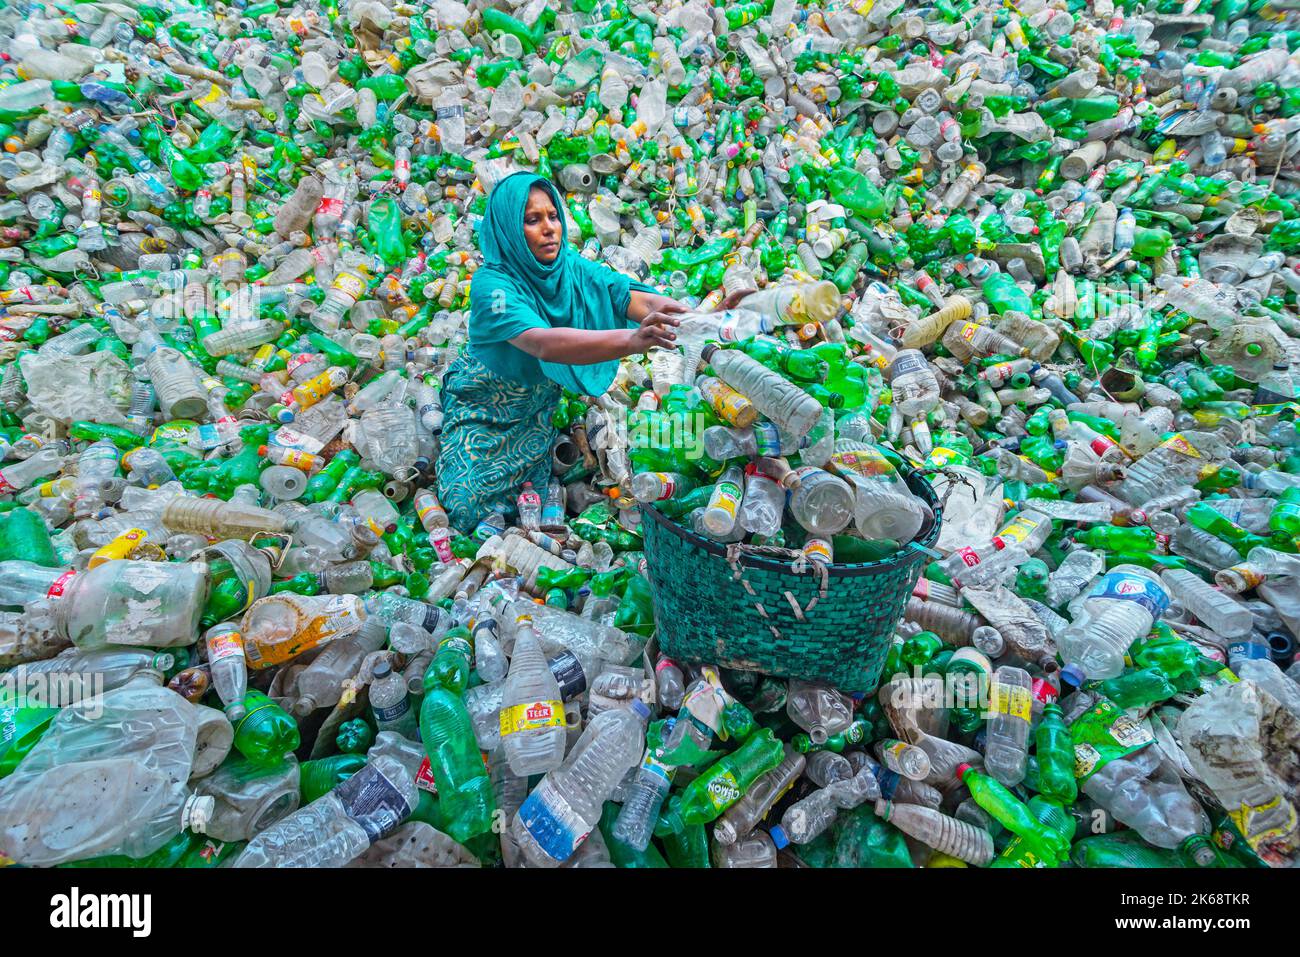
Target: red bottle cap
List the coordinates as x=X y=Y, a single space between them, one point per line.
x=962 y=769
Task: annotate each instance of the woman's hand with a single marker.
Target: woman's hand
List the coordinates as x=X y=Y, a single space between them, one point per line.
x=655 y=330
x=664 y=313
x=731 y=301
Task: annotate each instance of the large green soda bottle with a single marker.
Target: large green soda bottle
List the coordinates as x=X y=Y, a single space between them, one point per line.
x=267 y=732
x=722 y=784
x=465 y=792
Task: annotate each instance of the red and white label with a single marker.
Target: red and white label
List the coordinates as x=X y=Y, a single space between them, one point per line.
x=60 y=583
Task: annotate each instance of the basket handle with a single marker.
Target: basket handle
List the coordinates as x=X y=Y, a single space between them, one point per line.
x=798 y=565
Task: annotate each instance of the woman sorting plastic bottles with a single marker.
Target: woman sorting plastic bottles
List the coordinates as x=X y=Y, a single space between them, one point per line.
x=542 y=317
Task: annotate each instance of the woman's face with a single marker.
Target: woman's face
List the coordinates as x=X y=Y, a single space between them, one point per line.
x=542 y=227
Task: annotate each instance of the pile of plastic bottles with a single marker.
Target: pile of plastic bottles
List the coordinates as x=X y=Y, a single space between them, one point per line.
x=1046 y=252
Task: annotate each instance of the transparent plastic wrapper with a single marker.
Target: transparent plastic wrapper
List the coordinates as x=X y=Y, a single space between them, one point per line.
x=1242 y=744
x=94 y=387
x=109 y=777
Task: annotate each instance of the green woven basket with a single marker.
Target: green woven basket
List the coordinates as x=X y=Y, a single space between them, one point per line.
x=705 y=613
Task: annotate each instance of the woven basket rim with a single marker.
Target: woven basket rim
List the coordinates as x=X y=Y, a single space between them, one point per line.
x=924 y=540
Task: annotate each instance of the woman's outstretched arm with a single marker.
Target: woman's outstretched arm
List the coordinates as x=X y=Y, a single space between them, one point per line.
x=581 y=347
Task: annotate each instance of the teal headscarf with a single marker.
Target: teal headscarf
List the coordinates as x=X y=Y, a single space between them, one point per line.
x=513 y=292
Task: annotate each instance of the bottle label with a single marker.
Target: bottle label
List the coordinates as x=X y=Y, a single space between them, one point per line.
x=907 y=361
x=729 y=404
x=330 y=206
x=1179 y=444
x=726 y=496
x=288 y=438
x=532 y=716
x=969 y=557
x=865 y=462
x=394 y=712
x=440 y=539
x=654 y=766
x=767 y=439
x=457 y=643
x=1017 y=531
x=424 y=777
x=552 y=822
x=221 y=647
x=6 y=487
x=374 y=802
x=1010 y=700
x=1103 y=733
x=57 y=587
x=818 y=550
x=1131 y=588
x=569 y=674
x=723 y=791
x=668 y=485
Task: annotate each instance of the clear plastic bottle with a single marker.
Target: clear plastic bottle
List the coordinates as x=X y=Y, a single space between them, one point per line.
x=225 y=647
x=320 y=684
x=743 y=816
x=783 y=402
x=903 y=758
x=240 y=799
x=1010 y=707
x=763 y=504
x=532 y=711
x=1217 y=610
x=636 y=819
x=390 y=702
x=1144 y=792
x=947 y=835
x=1074 y=573
x=1118 y=611
x=561 y=811
x=823 y=504
x=337 y=827
x=807 y=818
x=819 y=709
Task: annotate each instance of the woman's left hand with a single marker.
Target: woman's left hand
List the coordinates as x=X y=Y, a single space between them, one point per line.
x=664 y=313
x=731 y=301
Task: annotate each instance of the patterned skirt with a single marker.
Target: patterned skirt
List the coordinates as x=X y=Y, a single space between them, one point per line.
x=496 y=435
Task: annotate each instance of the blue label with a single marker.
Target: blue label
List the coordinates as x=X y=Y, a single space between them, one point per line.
x=1124 y=587
x=767 y=439
x=551 y=822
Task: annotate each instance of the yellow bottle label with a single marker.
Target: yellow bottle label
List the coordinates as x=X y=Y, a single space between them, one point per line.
x=1010 y=700
x=118 y=548
x=531 y=716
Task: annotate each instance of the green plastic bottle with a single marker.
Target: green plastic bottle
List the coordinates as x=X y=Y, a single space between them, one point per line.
x=23 y=535
x=465 y=797
x=1014 y=815
x=267 y=732
x=722 y=784
x=1054 y=749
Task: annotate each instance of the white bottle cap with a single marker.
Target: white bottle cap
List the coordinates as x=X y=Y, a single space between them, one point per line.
x=198 y=812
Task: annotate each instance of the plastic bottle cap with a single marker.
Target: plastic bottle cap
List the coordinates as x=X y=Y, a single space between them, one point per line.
x=639 y=709
x=962 y=769
x=779 y=837
x=1073 y=675
x=197 y=812
x=382 y=670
